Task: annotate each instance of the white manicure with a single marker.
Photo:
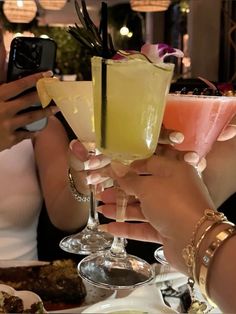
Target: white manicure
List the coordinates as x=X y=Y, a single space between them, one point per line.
x=176 y=137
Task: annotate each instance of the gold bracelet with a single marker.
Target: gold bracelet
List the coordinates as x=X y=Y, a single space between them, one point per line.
x=207 y=231
x=208 y=256
x=189 y=252
x=79 y=197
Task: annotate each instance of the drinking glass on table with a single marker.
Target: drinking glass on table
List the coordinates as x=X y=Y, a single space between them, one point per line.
x=75 y=100
x=129 y=101
x=201 y=119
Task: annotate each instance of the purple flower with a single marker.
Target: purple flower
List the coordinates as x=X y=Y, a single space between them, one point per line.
x=158 y=52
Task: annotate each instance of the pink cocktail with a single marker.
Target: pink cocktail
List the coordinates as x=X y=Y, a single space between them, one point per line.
x=200 y=118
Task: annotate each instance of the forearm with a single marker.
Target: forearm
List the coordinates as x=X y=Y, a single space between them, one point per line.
x=65 y=212
x=220 y=173
x=221 y=277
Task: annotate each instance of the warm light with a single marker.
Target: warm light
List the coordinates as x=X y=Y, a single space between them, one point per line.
x=44 y=36
x=184 y=6
x=52 y=4
x=124 y=31
x=20 y=3
x=130 y=34
x=150 y=5
x=17 y=11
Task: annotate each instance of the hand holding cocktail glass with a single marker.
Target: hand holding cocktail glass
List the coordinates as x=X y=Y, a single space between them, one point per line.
x=75 y=100
x=129 y=100
x=201 y=119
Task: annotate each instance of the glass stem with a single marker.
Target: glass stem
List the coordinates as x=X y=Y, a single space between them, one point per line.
x=118 y=245
x=93 y=221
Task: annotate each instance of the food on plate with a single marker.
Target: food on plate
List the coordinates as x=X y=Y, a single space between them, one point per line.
x=56 y=282
x=14 y=304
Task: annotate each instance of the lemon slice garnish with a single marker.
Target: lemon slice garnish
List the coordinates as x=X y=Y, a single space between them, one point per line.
x=41 y=86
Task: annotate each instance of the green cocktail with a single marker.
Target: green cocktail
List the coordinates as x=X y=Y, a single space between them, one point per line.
x=136 y=89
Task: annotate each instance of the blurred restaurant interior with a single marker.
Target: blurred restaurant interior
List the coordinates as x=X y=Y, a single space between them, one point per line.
x=204 y=29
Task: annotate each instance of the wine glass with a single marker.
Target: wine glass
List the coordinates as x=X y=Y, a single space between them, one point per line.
x=75 y=100
x=129 y=101
x=201 y=119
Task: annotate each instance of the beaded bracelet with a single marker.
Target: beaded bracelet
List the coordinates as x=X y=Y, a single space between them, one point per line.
x=79 y=197
x=208 y=256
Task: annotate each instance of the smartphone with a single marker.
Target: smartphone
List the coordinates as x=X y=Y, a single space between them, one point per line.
x=29 y=55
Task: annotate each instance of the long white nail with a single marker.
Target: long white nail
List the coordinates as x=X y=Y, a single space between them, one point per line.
x=95 y=178
x=176 y=137
x=191 y=158
x=92 y=164
x=48 y=74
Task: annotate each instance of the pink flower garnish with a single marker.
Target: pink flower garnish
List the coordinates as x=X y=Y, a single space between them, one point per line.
x=158 y=52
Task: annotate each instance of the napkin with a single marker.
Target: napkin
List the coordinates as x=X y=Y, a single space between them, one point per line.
x=166 y=275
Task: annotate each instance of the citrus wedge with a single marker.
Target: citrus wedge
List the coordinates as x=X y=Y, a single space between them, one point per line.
x=41 y=86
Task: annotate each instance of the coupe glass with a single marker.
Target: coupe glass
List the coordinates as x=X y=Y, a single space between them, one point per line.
x=75 y=100
x=129 y=101
x=201 y=119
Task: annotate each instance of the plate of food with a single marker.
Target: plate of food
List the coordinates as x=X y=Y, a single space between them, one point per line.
x=56 y=283
x=13 y=301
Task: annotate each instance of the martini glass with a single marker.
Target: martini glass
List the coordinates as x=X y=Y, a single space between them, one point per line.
x=75 y=100
x=201 y=119
x=129 y=101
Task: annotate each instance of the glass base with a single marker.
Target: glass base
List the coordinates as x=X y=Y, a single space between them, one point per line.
x=86 y=242
x=160 y=256
x=109 y=272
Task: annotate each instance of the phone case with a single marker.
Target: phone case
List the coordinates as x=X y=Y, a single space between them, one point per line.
x=29 y=55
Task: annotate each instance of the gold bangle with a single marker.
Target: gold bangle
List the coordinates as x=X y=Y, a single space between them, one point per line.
x=79 y=197
x=189 y=252
x=207 y=231
x=208 y=256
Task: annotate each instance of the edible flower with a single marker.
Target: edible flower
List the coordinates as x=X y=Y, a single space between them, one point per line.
x=158 y=52
x=153 y=53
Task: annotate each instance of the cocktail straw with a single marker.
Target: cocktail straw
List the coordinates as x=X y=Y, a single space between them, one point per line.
x=105 y=52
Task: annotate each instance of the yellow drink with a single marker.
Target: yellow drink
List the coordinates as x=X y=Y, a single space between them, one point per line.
x=136 y=93
x=75 y=100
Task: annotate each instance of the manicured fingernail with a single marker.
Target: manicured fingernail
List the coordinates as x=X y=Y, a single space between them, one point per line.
x=191 y=158
x=119 y=169
x=72 y=144
x=95 y=178
x=176 y=137
x=48 y=74
x=92 y=164
x=103 y=228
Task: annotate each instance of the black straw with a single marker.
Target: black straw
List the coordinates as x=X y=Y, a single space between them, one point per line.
x=105 y=54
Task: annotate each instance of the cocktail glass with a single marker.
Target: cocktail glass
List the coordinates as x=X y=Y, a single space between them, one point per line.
x=129 y=101
x=75 y=100
x=201 y=119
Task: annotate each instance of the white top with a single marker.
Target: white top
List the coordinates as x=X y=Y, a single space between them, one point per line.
x=20 y=202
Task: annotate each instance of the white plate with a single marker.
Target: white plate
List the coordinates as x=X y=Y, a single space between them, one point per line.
x=27 y=297
x=147 y=299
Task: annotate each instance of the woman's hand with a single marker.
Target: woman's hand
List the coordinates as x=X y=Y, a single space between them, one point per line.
x=172 y=198
x=11 y=102
x=88 y=169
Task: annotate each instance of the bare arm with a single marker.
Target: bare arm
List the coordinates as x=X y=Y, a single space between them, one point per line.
x=51 y=151
x=173 y=200
x=220 y=173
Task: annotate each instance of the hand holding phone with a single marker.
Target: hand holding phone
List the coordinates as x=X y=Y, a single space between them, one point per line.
x=30 y=55
x=11 y=123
